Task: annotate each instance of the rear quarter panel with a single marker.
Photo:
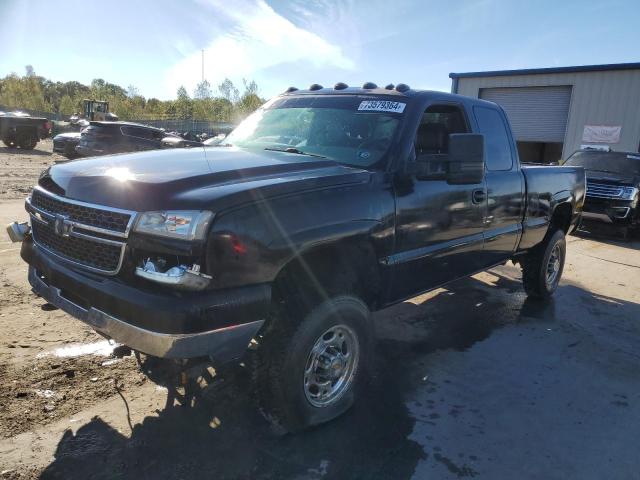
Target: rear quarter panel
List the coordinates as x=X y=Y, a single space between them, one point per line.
x=547 y=187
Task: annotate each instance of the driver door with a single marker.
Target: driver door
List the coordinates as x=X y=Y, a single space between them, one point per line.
x=439 y=226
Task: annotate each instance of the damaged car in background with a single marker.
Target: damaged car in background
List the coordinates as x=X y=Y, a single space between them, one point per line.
x=276 y=245
x=613 y=183
x=65 y=143
x=105 y=138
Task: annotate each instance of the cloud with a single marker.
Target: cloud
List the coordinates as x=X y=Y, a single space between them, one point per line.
x=253 y=37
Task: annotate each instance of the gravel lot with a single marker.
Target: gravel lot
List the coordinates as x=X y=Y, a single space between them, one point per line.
x=472 y=381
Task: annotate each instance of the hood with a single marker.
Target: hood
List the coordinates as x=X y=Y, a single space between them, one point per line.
x=197 y=178
x=173 y=141
x=612 y=178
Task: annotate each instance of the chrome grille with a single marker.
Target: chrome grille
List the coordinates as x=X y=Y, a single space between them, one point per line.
x=78 y=212
x=92 y=236
x=92 y=254
x=602 y=190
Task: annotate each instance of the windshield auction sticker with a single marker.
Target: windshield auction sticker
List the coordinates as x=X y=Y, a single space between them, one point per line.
x=381 y=106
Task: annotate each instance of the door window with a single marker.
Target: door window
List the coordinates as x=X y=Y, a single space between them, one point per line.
x=497 y=146
x=432 y=138
x=145 y=133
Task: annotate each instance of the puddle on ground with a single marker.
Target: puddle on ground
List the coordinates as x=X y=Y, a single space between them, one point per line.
x=103 y=348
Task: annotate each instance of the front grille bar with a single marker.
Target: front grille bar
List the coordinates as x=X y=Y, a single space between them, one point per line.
x=47 y=218
x=100 y=208
x=602 y=190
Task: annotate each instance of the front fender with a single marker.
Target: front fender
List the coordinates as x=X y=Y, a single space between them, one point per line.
x=253 y=243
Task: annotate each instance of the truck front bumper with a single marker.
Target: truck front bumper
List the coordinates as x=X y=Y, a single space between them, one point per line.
x=612 y=211
x=157 y=324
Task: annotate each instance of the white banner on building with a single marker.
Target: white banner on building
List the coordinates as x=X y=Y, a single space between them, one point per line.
x=601 y=133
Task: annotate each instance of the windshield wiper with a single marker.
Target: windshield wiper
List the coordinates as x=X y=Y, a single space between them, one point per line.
x=294 y=150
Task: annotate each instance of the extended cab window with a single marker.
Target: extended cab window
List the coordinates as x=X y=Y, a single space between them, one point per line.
x=496 y=139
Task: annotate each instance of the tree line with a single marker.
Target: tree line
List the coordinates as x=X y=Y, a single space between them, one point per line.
x=225 y=103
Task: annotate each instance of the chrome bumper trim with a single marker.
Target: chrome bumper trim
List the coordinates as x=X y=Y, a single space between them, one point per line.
x=223 y=344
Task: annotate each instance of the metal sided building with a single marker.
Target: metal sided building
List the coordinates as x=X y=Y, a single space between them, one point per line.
x=556 y=111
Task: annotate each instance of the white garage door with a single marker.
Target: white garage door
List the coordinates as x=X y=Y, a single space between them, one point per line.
x=537 y=114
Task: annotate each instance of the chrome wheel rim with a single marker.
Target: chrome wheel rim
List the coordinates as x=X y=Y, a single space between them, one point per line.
x=553 y=266
x=331 y=366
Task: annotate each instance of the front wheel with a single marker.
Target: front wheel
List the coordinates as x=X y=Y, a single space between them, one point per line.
x=308 y=370
x=542 y=267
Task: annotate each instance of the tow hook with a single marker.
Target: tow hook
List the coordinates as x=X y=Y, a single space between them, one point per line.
x=17 y=231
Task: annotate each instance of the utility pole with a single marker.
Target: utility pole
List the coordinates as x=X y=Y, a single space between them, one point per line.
x=203 y=64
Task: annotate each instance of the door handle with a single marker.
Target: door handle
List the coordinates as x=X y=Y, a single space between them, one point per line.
x=478 y=196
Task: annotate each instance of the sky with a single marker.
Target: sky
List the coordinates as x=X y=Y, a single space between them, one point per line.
x=156 y=45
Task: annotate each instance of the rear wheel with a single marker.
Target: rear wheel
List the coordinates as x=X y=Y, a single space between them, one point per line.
x=27 y=141
x=308 y=367
x=542 y=267
x=9 y=142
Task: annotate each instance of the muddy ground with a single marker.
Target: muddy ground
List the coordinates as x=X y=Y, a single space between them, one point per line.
x=472 y=381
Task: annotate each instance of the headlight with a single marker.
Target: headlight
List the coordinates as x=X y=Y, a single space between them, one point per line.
x=629 y=193
x=183 y=224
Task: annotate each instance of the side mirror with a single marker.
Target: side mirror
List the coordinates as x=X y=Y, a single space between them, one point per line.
x=466 y=159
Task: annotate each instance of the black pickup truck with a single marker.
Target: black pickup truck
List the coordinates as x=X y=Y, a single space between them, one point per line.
x=22 y=130
x=323 y=205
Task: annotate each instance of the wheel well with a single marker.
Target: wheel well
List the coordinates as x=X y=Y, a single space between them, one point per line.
x=343 y=267
x=561 y=217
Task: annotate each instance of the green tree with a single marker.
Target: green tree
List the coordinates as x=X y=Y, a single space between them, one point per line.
x=228 y=90
x=249 y=101
x=183 y=104
x=247 y=104
x=203 y=90
x=132 y=91
x=67 y=105
x=33 y=92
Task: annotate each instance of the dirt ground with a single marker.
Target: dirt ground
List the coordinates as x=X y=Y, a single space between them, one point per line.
x=20 y=169
x=472 y=381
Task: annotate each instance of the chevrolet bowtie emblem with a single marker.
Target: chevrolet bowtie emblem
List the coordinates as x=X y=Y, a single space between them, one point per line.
x=62 y=225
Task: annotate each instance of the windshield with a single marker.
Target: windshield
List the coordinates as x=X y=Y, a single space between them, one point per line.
x=613 y=162
x=350 y=130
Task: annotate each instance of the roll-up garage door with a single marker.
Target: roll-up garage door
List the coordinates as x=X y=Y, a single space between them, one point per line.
x=536 y=114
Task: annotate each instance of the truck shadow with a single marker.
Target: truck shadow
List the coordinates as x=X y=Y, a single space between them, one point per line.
x=20 y=151
x=610 y=235
x=370 y=441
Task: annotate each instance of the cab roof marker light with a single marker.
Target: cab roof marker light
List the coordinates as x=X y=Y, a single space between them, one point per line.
x=291 y=89
x=340 y=86
x=369 y=86
x=315 y=86
x=391 y=86
x=402 y=87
